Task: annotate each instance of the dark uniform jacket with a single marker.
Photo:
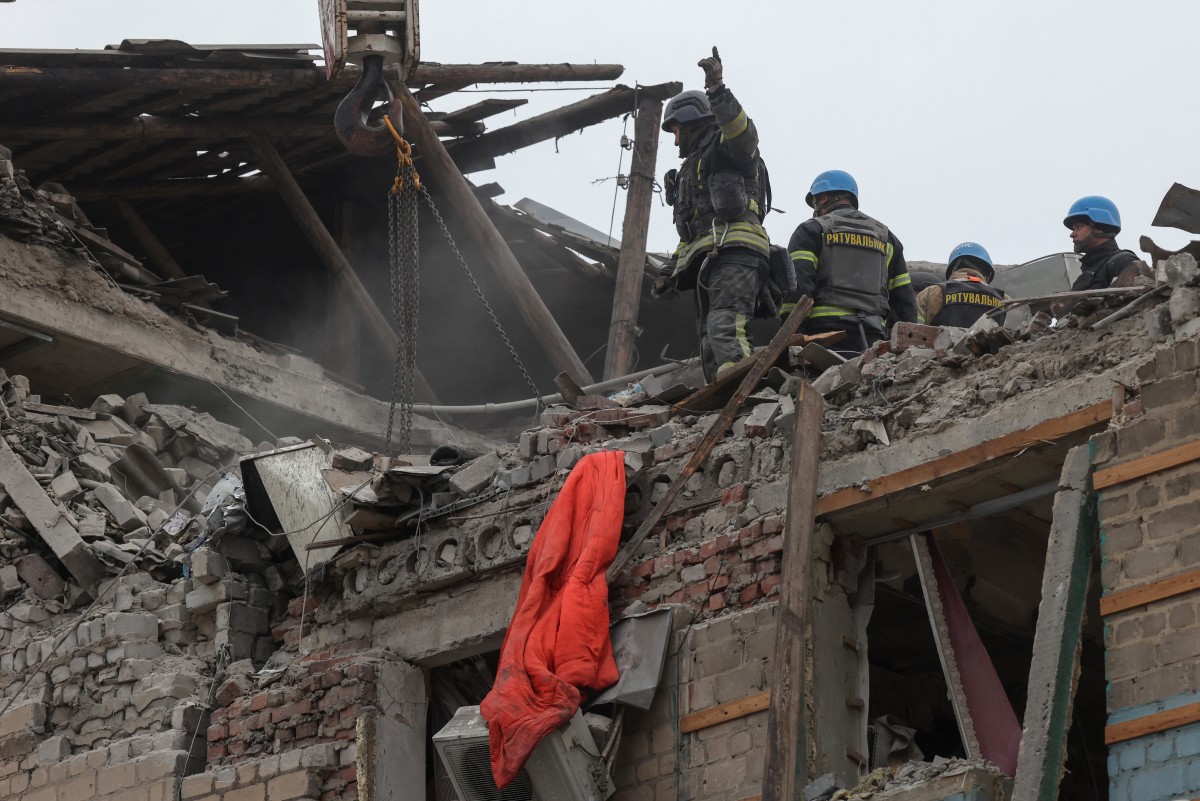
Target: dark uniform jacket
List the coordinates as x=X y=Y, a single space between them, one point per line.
x=966 y=300
x=726 y=152
x=895 y=299
x=1102 y=265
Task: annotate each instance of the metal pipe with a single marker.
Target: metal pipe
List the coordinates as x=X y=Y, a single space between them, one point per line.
x=1129 y=308
x=529 y=403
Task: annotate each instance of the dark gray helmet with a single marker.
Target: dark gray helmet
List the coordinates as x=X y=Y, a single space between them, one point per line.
x=686 y=107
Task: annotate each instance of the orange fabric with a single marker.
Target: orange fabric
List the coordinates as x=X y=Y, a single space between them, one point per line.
x=558 y=640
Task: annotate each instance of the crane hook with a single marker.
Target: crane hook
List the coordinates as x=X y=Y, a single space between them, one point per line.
x=352 y=118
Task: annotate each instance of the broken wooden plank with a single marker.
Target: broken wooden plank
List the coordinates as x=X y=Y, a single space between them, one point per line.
x=67 y=411
x=788 y=722
x=723 y=713
x=631 y=265
x=766 y=359
x=713 y=395
x=484 y=108
x=321 y=240
x=1054 y=674
x=1149 y=593
x=1048 y=430
x=1147 y=465
x=556 y=123
x=153 y=246
x=1151 y=724
x=49 y=521
x=483 y=233
x=945 y=650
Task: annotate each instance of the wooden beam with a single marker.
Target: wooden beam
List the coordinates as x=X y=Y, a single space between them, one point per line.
x=162 y=128
x=1054 y=672
x=559 y=122
x=107 y=79
x=723 y=713
x=483 y=109
x=1147 y=465
x=154 y=247
x=762 y=362
x=1151 y=724
x=1149 y=593
x=174 y=188
x=318 y=235
x=788 y=722
x=479 y=227
x=631 y=266
x=982 y=453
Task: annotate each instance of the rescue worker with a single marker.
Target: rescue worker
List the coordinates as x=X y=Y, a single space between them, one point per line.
x=967 y=295
x=852 y=267
x=1094 y=223
x=719 y=196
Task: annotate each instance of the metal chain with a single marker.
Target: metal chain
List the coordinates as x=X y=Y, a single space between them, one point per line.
x=479 y=292
x=404 y=261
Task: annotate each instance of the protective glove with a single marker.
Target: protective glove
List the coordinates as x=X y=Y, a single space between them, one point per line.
x=663 y=288
x=714 y=74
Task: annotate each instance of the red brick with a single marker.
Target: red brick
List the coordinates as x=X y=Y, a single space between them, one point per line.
x=361 y=672
x=714 y=546
x=718 y=583
x=306 y=730
x=217 y=733
x=332 y=678
x=755 y=550
x=749 y=594
x=769 y=584
x=734 y=494
x=302 y=605
x=716 y=602
x=689 y=557
x=767 y=565
x=750 y=532
x=259 y=702
x=216 y=752
x=775 y=544
x=289 y=711
x=347 y=774
x=643 y=570
x=697 y=590
x=236 y=727
x=285 y=734
x=237 y=747
x=675 y=597
x=771 y=525
x=712 y=565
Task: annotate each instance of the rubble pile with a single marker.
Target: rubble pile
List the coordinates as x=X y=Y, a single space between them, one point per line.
x=24 y=214
x=976 y=776
x=924 y=378
x=130 y=578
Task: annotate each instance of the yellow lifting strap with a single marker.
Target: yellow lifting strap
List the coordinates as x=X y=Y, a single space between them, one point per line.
x=404 y=161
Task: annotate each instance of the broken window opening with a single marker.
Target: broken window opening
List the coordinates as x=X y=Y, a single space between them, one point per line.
x=996 y=564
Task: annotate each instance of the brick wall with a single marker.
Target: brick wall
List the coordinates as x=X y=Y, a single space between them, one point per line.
x=316 y=706
x=711 y=662
x=309 y=774
x=1150 y=531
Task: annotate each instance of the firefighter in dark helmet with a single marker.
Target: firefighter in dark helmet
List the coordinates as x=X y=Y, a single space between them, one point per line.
x=719 y=196
x=852 y=267
x=967 y=295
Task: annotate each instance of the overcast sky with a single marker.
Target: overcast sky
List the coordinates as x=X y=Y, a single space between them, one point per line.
x=976 y=120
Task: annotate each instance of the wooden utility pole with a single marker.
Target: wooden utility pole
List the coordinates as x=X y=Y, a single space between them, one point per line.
x=788 y=721
x=631 y=268
x=153 y=246
x=322 y=241
x=441 y=171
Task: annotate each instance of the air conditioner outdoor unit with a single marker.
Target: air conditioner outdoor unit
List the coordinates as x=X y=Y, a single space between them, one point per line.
x=564 y=767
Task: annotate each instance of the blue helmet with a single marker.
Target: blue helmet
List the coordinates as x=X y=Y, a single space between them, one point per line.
x=980 y=259
x=1098 y=210
x=687 y=107
x=832 y=181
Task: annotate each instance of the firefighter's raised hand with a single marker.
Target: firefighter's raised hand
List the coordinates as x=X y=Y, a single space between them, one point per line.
x=714 y=75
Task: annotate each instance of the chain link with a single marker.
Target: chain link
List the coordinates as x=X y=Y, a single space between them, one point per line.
x=404 y=261
x=479 y=292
